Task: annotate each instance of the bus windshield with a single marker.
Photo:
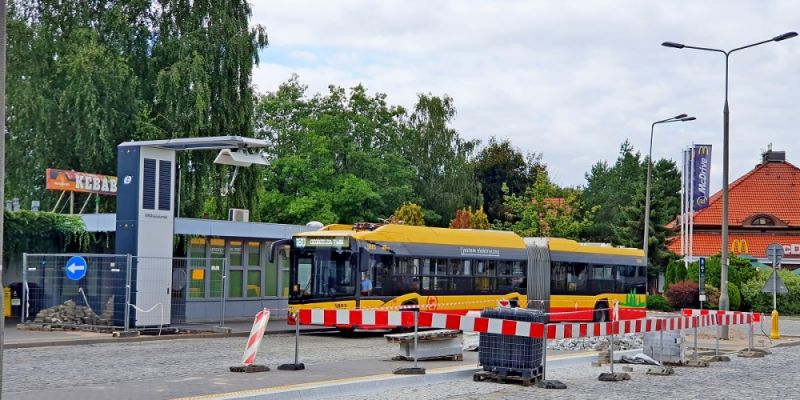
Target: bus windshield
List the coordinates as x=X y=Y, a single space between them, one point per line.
x=323 y=273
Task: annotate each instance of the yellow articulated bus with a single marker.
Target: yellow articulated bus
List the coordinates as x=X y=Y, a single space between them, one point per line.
x=457 y=270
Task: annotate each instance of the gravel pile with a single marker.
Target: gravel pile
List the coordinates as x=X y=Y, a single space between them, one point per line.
x=624 y=342
x=73 y=314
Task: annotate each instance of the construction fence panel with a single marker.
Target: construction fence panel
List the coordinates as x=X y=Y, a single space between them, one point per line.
x=62 y=291
x=185 y=291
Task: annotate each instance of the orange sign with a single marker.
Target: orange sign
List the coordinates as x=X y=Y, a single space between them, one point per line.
x=73 y=181
x=431 y=303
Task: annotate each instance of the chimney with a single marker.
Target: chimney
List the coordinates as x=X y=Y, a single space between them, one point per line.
x=771 y=156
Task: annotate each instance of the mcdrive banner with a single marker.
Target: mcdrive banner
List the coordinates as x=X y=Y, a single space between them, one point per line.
x=701 y=158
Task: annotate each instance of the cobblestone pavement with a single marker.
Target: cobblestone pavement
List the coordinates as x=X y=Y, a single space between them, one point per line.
x=772 y=377
x=50 y=369
x=105 y=364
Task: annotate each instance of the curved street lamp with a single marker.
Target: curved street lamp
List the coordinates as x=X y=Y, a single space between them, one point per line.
x=645 y=244
x=724 y=301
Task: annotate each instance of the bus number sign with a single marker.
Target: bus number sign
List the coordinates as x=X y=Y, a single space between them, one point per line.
x=322 y=242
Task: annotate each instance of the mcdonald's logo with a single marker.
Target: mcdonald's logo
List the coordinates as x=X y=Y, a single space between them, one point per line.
x=739 y=246
x=702 y=149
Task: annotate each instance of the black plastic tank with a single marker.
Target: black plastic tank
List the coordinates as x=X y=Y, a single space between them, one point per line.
x=511 y=355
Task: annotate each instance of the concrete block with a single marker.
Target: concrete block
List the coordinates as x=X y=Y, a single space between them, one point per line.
x=615 y=377
x=661 y=371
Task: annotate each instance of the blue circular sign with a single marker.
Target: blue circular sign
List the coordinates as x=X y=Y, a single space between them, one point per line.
x=76 y=268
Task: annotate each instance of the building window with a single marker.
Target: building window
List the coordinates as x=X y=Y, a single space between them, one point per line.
x=763 y=221
x=197 y=274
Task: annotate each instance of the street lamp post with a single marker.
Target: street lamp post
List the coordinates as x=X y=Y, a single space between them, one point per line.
x=724 y=302
x=677 y=118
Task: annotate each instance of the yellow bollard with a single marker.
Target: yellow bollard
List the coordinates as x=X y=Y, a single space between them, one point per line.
x=775 y=334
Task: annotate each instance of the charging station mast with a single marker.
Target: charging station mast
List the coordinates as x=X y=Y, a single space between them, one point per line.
x=146 y=220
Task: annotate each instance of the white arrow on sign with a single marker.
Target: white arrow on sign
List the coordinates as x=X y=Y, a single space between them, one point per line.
x=75 y=267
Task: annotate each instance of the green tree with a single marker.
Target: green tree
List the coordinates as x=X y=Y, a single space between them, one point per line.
x=546 y=210
x=445 y=178
x=498 y=164
x=618 y=195
x=335 y=156
x=609 y=189
x=86 y=76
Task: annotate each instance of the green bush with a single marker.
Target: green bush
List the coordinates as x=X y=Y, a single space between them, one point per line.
x=740 y=271
x=788 y=303
x=680 y=273
x=657 y=302
x=734 y=296
x=712 y=297
x=669 y=276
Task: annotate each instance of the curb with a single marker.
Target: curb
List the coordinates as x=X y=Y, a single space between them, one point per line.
x=369 y=384
x=145 y=338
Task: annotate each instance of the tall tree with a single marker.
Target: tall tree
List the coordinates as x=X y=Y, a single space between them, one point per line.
x=335 y=156
x=203 y=55
x=88 y=75
x=500 y=163
x=608 y=190
x=546 y=210
x=445 y=175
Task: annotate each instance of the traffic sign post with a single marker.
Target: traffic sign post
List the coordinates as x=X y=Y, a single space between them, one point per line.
x=775 y=252
x=76 y=268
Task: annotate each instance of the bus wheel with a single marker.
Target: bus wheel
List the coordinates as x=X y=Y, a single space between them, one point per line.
x=600 y=312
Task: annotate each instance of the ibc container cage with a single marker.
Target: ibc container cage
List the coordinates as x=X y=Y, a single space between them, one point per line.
x=511 y=355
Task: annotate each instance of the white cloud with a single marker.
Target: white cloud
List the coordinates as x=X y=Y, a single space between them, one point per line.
x=572 y=80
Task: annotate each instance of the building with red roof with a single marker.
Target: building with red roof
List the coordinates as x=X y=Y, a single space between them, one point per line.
x=764 y=208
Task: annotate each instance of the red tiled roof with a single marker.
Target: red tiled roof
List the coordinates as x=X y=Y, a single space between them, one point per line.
x=771 y=188
x=707 y=244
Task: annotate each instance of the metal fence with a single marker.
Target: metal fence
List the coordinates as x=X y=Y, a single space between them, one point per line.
x=52 y=296
x=116 y=292
x=197 y=288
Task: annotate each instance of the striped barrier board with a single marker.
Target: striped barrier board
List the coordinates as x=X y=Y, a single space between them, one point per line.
x=516 y=328
x=256 y=334
x=734 y=315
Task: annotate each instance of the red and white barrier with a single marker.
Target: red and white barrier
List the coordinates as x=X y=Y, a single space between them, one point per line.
x=690 y=319
x=256 y=334
x=729 y=317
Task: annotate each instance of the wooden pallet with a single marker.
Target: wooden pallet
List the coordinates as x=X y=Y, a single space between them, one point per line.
x=499 y=378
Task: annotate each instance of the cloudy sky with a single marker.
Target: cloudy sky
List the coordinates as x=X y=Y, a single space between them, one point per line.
x=569 y=79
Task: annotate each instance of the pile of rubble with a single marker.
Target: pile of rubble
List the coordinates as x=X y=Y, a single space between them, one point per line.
x=621 y=342
x=70 y=313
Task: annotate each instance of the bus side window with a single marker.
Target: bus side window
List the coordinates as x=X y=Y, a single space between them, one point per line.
x=578 y=279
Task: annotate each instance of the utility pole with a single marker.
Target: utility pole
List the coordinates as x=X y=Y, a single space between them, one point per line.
x=2 y=174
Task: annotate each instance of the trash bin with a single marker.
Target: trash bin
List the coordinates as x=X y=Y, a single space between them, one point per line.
x=511 y=355
x=7 y=301
x=15 y=299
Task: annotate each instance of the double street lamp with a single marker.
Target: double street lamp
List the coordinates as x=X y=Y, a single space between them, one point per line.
x=724 y=302
x=645 y=244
